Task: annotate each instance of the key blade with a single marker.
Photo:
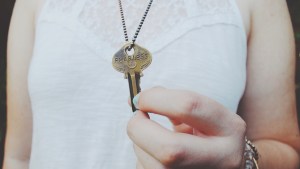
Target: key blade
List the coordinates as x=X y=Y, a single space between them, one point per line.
x=134 y=87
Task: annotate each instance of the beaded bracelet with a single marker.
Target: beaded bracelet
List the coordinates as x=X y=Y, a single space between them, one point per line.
x=250 y=155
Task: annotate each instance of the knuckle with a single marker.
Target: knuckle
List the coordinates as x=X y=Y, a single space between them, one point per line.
x=190 y=104
x=239 y=125
x=172 y=154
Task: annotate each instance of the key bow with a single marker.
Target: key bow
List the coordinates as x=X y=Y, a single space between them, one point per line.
x=131 y=61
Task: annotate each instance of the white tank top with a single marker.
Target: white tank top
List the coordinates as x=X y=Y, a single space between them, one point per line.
x=79 y=101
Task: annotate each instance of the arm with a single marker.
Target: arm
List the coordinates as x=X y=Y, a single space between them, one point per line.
x=19 y=117
x=268 y=105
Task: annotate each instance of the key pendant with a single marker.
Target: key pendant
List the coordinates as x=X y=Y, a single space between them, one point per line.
x=132 y=63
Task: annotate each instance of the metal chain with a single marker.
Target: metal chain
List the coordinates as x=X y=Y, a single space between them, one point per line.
x=123 y=21
x=140 y=25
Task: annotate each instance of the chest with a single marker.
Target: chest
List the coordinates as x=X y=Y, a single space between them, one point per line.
x=194 y=48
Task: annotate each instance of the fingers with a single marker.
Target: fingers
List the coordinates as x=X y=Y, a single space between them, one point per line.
x=145 y=160
x=172 y=149
x=143 y=132
x=193 y=109
x=183 y=128
x=193 y=115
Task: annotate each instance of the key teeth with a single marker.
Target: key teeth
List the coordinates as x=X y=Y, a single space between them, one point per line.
x=141 y=74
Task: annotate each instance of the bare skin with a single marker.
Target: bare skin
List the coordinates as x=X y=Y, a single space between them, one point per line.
x=268 y=105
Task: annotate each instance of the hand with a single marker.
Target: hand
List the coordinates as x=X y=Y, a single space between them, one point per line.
x=206 y=134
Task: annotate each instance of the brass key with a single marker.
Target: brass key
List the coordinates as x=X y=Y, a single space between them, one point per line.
x=132 y=63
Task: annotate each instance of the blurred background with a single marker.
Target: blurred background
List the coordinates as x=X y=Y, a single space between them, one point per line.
x=5 y=14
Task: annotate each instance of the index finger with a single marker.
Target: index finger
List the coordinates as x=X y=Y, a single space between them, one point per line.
x=198 y=111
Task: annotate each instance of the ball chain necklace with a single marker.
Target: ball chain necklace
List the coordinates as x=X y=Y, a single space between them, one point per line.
x=132 y=59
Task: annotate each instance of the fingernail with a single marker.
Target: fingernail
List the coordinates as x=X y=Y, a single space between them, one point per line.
x=135 y=101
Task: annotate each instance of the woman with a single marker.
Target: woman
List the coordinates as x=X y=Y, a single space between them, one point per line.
x=215 y=58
